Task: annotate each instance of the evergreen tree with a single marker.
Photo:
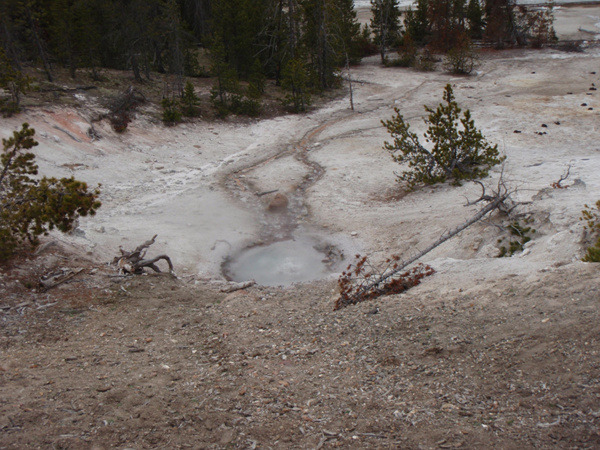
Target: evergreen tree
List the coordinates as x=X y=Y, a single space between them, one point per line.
x=416 y=22
x=237 y=24
x=190 y=101
x=457 y=150
x=347 y=29
x=447 y=22
x=385 y=24
x=13 y=81
x=30 y=205
x=500 y=22
x=197 y=15
x=319 y=41
x=296 y=81
x=66 y=33
x=475 y=19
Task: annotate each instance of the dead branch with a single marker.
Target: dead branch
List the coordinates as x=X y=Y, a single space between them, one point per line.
x=563 y=177
x=58 y=277
x=134 y=261
x=238 y=286
x=496 y=201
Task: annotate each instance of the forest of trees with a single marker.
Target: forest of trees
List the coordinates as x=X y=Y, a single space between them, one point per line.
x=300 y=44
x=247 y=39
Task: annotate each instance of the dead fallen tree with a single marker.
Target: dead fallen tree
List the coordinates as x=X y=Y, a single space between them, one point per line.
x=58 y=277
x=134 y=262
x=362 y=281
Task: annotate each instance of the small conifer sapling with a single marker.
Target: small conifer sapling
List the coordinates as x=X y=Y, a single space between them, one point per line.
x=454 y=148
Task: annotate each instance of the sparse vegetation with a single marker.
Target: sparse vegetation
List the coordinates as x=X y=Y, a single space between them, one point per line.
x=519 y=236
x=457 y=150
x=171 y=114
x=14 y=82
x=190 y=101
x=123 y=107
x=591 y=217
x=354 y=282
x=461 y=59
x=29 y=205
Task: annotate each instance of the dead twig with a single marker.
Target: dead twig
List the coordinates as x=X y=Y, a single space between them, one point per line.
x=564 y=176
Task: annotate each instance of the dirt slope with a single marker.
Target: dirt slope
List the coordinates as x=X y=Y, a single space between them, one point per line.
x=159 y=363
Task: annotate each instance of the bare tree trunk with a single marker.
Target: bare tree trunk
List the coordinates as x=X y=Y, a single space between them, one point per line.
x=38 y=43
x=293 y=31
x=495 y=202
x=11 y=51
x=350 y=82
x=135 y=67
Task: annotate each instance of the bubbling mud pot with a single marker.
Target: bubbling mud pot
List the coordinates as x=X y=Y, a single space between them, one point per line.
x=283 y=263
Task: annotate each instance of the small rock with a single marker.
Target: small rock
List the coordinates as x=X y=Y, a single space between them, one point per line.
x=279 y=203
x=227 y=437
x=354 y=233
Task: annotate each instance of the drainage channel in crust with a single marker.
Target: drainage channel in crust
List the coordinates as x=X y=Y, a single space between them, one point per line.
x=283 y=263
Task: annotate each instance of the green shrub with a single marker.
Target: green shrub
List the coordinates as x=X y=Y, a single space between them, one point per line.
x=461 y=59
x=592 y=219
x=190 y=101
x=171 y=113
x=521 y=234
x=455 y=149
x=425 y=62
x=30 y=206
x=403 y=60
x=9 y=108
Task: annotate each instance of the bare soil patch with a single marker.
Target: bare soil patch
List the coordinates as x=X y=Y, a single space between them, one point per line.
x=155 y=362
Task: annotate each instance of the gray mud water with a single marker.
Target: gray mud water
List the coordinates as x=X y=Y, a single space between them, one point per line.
x=282 y=263
x=284 y=254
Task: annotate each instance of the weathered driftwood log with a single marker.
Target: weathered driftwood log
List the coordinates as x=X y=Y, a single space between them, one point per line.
x=134 y=262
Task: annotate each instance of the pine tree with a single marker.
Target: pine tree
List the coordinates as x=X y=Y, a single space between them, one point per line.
x=447 y=23
x=416 y=22
x=318 y=41
x=385 y=24
x=458 y=150
x=190 y=101
x=30 y=206
x=347 y=30
x=12 y=80
x=295 y=79
x=500 y=22
x=475 y=19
